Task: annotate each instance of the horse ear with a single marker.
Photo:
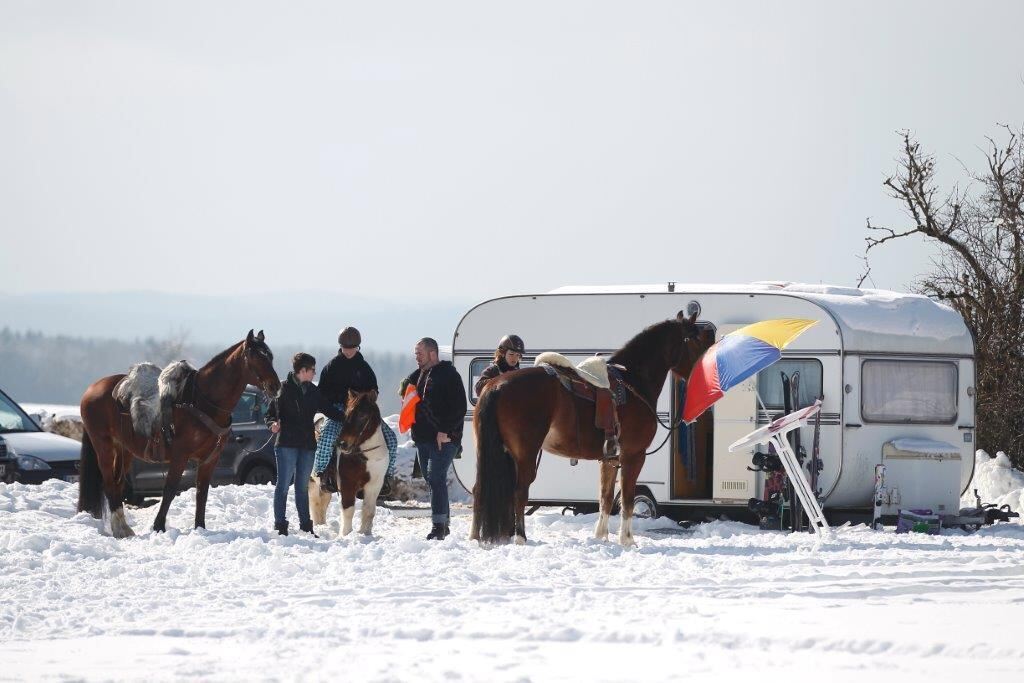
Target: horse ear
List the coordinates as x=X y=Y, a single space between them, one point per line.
x=692 y=320
x=260 y=336
x=249 y=338
x=681 y=316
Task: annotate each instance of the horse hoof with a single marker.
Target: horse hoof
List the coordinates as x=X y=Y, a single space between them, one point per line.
x=520 y=540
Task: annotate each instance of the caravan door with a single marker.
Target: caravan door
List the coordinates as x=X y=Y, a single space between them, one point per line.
x=735 y=417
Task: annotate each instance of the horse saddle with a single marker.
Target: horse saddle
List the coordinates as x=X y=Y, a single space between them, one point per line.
x=147 y=396
x=596 y=381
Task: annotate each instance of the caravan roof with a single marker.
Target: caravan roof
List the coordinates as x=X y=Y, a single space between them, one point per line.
x=869 y=320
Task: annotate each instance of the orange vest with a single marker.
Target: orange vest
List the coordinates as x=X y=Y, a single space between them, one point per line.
x=407 y=416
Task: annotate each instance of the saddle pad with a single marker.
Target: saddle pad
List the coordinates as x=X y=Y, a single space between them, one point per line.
x=592 y=370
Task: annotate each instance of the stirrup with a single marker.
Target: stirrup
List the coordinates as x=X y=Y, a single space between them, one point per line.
x=611 y=450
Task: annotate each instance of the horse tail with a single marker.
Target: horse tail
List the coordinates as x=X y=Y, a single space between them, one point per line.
x=90 y=480
x=495 y=473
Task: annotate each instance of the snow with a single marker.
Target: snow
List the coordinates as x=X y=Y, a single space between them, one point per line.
x=722 y=601
x=930 y=446
x=996 y=481
x=45 y=413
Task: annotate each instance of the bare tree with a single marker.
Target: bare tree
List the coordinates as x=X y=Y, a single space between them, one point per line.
x=168 y=349
x=979 y=270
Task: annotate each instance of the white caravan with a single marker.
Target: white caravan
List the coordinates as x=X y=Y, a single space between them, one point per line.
x=895 y=373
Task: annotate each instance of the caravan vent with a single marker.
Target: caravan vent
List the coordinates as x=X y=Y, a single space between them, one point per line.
x=734 y=486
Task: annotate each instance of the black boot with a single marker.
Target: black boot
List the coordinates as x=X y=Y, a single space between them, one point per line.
x=281 y=528
x=438 y=532
x=307 y=526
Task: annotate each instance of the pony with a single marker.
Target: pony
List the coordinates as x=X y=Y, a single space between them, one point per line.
x=522 y=412
x=359 y=463
x=135 y=416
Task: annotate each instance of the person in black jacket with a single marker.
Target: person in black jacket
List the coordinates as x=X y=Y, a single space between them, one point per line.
x=437 y=429
x=506 y=359
x=290 y=416
x=346 y=371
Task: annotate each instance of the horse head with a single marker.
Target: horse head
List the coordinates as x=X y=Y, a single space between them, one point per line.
x=362 y=419
x=259 y=364
x=695 y=340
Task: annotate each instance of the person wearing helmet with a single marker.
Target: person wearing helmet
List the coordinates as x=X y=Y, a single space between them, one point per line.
x=347 y=371
x=506 y=359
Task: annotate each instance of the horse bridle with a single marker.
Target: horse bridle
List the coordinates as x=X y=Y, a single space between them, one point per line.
x=360 y=439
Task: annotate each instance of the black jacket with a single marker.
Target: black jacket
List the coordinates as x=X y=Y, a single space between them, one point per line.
x=442 y=406
x=496 y=368
x=341 y=375
x=295 y=407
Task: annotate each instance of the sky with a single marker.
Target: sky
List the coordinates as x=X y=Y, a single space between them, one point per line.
x=455 y=151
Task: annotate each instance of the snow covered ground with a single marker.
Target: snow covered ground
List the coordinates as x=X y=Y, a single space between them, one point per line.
x=724 y=601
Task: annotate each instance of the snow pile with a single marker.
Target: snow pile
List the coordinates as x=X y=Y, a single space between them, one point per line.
x=996 y=481
x=408 y=489
x=59 y=419
x=723 y=601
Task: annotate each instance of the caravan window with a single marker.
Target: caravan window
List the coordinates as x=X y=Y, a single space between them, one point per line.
x=909 y=391
x=769 y=382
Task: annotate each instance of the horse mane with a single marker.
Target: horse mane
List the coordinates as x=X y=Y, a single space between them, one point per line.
x=646 y=343
x=223 y=355
x=355 y=399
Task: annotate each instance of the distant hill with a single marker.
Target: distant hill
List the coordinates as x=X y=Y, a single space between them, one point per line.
x=302 y=318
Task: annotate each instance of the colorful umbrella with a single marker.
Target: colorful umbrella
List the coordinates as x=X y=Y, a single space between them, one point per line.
x=736 y=357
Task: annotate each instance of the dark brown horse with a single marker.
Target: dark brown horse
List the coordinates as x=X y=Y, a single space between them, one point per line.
x=523 y=411
x=200 y=420
x=359 y=463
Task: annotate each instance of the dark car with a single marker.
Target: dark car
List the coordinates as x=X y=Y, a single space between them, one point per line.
x=29 y=455
x=247 y=458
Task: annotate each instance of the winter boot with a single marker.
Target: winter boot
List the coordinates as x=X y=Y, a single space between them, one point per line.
x=307 y=526
x=438 y=532
x=281 y=528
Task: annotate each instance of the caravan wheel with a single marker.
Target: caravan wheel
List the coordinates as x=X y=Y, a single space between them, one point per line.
x=644 y=505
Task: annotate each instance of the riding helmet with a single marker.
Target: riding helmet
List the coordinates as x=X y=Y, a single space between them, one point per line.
x=350 y=338
x=512 y=342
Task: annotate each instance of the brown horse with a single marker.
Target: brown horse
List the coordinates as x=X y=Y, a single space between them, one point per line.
x=359 y=463
x=200 y=420
x=524 y=411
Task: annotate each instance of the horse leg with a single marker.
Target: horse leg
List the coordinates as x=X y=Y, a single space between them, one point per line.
x=606 y=495
x=628 y=474
x=114 y=470
x=203 y=478
x=318 y=501
x=171 y=484
x=348 y=506
x=370 y=492
x=527 y=472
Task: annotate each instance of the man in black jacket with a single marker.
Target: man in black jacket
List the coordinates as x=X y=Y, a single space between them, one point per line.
x=290 y=416
x=437 y=430
x=346 y=371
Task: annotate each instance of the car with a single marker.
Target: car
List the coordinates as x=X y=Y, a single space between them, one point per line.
x=28 y=454
x=247 y=458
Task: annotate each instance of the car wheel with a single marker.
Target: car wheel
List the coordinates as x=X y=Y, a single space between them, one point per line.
x=260 y=473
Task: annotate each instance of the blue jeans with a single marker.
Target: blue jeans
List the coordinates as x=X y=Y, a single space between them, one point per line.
x=292 y=464
x=435 y=464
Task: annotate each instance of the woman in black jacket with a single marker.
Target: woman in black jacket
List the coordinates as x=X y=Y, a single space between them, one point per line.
x=291 y=417
x=506 y=359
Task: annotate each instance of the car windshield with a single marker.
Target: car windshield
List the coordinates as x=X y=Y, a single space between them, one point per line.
x=13 y=418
